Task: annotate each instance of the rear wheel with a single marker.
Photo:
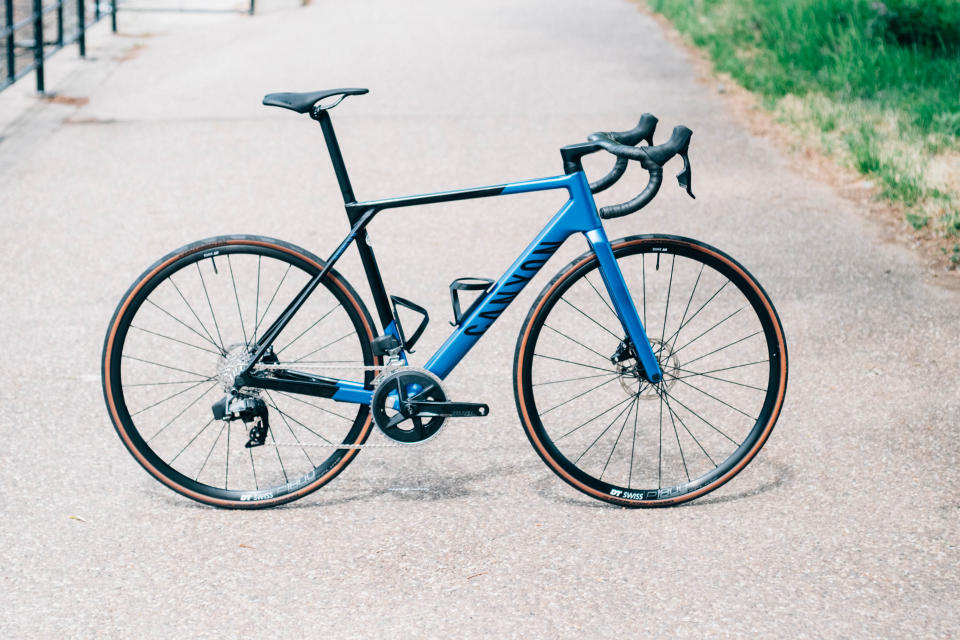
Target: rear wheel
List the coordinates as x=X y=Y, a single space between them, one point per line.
x=609 y=433
x=186 y=327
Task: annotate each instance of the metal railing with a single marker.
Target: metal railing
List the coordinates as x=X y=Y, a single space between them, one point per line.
x=52 y=26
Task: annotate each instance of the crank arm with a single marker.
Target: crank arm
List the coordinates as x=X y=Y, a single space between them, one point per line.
x=447 y=409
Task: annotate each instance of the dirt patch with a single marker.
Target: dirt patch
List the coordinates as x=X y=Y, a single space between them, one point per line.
x=73 y=101
x=131 y=52
x=811 y=162
x=73 y=120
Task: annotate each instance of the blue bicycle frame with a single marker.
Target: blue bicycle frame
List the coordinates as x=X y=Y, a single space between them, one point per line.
x=577 y=215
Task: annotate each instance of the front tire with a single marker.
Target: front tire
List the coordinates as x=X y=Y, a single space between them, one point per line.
x=610 y=434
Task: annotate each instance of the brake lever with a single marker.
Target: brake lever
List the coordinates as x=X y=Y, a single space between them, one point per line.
x=685 y=177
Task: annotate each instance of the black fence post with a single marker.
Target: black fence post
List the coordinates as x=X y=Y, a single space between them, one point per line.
x=113 y=15
x=82 y=28
x=38 y=42
x=11 y=63
x=252 y=6
x=96 y=10
x=59 y=23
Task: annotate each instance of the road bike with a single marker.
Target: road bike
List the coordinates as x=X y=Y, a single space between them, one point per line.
x=246 y=372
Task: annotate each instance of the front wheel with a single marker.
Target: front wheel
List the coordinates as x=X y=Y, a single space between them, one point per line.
x=182 y=332
x=609 y=433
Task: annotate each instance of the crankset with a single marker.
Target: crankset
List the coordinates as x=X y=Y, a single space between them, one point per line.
x=410 y=406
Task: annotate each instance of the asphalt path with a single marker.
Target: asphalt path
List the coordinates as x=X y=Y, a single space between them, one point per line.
x=845 y=525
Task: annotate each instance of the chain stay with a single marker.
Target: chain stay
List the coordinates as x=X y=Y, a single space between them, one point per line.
x=384 y=369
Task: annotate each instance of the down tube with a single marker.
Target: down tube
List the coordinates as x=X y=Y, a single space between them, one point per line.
x=573 y=217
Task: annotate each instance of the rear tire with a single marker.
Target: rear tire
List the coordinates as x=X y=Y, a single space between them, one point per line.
x=612 y=435
x=167 y=359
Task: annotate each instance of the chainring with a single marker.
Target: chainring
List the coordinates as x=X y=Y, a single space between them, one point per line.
x=392 y=416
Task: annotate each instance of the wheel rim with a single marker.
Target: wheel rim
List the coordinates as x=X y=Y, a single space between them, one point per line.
x=182 y=333
x=606 y=431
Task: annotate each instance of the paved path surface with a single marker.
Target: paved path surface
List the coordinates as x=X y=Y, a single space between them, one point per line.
x=846 y=524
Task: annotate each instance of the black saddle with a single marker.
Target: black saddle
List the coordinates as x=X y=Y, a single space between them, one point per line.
x=303 y=102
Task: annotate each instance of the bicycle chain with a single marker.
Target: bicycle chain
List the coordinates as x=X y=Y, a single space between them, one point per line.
x=384 y=370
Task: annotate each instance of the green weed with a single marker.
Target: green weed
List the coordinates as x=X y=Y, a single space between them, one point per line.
x=953 y=256
x=917 y=221
x=875 y=82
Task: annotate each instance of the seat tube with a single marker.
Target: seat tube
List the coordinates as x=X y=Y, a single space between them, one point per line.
x=623 y=303
x=336 y=157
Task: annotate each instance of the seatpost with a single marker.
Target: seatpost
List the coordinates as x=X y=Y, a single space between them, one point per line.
x=333 y=147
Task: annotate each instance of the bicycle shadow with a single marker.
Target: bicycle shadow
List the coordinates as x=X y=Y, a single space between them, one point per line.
x=433 y=486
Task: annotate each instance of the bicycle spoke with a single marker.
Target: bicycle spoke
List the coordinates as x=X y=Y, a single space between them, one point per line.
x=256 y=484
x=206 y=294
x=540 y=384
x=590 y=318
x=605 y=358
x=660 y=449
x=755 y=333
x=157 y=384
x=171 y=397
x=633 y=446
x=195 y=401
x=256 y=304
x=738 y=366
x=607 y=428
x=148 y=300
x=540 y=355
x=285 y=414
x=697 y=312
x=726 y=404
x=283 y=417
x=676 y=336
x=237 y=296
x=209 y=453
x=226 y=472
x=643 y=266
x=617 y=441
x=602 y=299
x=708 y=330
x=205 y=427
x=666 y=307
x=690 y=433
x=310 y=327
x=605 y=411
x=190 y=307
x=699 y=375
x=669 y=396
x=579 y=395
x=329 y=344
x=283 y=468
x=333 y=413
x=160 y=335
x=683 y=458
x=166 y=366
x=270 y=303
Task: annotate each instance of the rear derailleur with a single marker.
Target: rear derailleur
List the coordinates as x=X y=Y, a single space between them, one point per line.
x=251 y=409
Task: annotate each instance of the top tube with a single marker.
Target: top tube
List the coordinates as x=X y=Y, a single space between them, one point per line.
x=568 y=182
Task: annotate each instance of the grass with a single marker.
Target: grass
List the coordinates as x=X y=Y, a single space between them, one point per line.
x=874 y=84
